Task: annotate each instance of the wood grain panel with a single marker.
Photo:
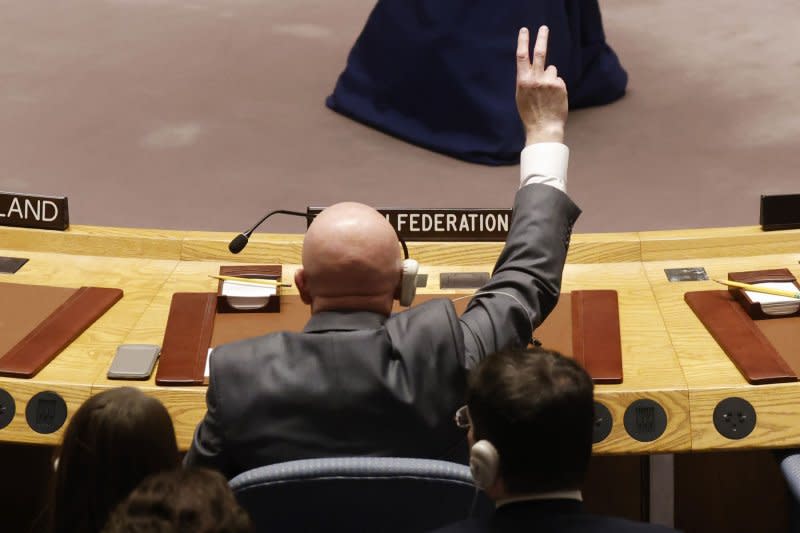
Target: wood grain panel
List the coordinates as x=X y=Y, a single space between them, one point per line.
x=710 y=374
x=717 y=242
x=22 y=390
x=96 y=240
x=667 y=354
x=591 y=248
x=650 y=365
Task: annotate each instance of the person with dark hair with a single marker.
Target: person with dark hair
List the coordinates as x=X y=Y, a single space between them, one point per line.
x=114 y=440
x=360 y=380
x=191 y=500
x=530 y=415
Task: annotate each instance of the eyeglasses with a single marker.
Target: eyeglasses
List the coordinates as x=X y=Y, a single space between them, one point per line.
x=462 y=417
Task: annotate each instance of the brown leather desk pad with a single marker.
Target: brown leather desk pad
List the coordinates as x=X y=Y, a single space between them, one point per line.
x=584 y=323
x=764 y=351
x=37 y=322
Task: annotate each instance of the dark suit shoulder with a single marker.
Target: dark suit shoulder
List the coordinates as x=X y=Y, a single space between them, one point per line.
x=560 y=524
x=621 y=525
x=428 y=330
x=464 y=526
x=563 y=516
x=437 y=310
x=236 y=355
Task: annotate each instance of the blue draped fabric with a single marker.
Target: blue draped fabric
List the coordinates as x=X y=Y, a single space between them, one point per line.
x=440 y=73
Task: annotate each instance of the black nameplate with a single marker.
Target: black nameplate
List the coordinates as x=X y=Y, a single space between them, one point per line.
x=34 y=211
x=780 y=211
x=457 y=224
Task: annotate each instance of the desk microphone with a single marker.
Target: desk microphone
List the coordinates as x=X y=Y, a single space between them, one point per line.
x=410 y=269
x=240 y=241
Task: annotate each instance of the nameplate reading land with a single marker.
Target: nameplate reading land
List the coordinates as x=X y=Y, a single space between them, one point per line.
x=34 y=211
x=446 y=224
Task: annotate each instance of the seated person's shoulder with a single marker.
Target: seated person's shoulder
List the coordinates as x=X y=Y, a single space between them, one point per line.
x=436 y=309
x=589 y=522
x=435 y=320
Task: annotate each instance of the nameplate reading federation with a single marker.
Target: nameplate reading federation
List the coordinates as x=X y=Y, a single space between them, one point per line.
x=455 y=224
x=34 y=211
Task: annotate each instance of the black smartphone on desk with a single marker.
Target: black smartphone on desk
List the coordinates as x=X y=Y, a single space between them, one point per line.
x=134 y=361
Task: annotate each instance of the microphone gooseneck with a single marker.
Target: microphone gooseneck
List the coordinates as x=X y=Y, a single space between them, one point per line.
x=240 y=241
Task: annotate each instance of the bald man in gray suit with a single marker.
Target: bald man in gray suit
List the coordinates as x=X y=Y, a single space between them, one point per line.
x=360 y=381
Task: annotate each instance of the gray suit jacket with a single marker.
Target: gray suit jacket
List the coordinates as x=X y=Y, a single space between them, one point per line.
x=360 y=383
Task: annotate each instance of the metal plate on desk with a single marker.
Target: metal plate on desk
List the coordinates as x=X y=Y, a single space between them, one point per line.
x=686 y=274
x=463 y=280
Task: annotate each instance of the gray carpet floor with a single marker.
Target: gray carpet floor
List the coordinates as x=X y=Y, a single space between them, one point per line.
x=203 y=114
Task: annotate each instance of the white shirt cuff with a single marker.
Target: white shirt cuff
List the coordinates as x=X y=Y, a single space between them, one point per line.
x=545 y=163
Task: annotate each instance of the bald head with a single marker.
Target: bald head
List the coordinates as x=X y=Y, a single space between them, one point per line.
x=351 y=260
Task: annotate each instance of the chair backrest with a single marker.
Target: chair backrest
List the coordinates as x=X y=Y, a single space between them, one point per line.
x=375 y=494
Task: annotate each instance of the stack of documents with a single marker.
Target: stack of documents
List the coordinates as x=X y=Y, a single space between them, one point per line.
x=776 y=305
x=243 y=295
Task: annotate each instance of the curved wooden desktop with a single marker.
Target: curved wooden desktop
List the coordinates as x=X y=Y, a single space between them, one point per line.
x=668 y=356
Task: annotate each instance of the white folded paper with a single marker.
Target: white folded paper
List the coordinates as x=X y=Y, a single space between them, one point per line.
x=243 y=295
x=773 y=304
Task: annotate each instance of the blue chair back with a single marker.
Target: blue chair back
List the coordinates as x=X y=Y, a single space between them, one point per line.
x=374 y=494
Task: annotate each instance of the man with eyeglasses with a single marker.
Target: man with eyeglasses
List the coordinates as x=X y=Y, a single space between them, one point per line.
x=360 y=381
x=529 y=416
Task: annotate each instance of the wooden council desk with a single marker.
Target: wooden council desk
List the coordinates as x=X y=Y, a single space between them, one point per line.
x=668 y=357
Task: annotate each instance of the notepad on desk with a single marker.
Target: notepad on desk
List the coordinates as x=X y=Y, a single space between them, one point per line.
x=243 y=295
x=772 y=304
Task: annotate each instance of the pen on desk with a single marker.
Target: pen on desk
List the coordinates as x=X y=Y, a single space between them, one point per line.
x=251 y=281
x=758 y=288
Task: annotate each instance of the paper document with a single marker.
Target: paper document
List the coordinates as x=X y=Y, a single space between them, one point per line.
x=773 y=304
x=243 y=295
x=241 y=289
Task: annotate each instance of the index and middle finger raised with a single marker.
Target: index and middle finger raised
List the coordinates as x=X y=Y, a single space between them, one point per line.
x=524 y=64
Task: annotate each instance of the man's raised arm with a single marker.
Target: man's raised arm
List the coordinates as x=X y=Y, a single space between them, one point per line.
x=526 y=281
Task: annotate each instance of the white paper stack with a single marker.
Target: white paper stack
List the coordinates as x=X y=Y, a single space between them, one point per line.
x=776 y=305
x=243 y=295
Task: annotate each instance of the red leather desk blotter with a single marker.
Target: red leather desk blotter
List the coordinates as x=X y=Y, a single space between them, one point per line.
x=37 y=322
x=764 y=351
x=584 y=323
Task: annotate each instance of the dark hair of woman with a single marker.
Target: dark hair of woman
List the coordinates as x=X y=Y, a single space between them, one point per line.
x=115 y=439
x=192 y=500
